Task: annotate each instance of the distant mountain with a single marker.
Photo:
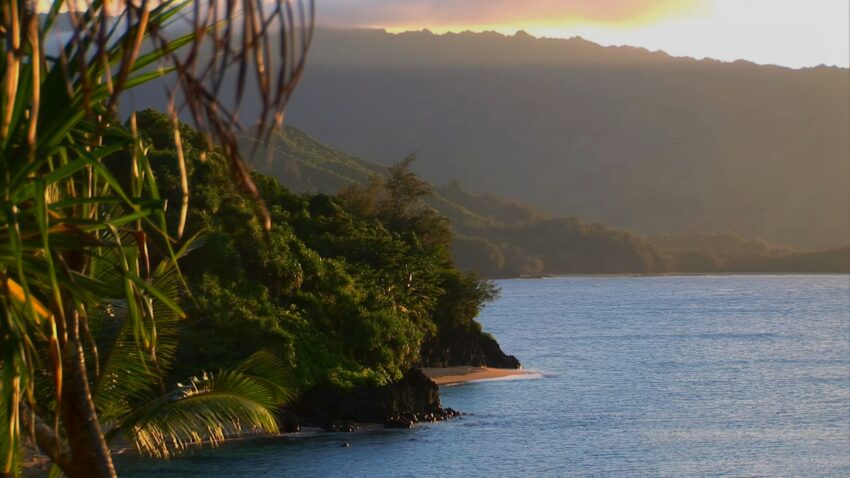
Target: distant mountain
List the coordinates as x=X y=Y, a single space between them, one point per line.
x=635 y=139
x=503 y=238
x=717 y=244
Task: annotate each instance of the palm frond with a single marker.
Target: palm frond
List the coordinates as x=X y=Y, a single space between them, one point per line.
x=129 y=373
x=211 y=408
x=268 y=369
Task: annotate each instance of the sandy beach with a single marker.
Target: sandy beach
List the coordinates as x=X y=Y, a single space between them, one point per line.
x=455 y=375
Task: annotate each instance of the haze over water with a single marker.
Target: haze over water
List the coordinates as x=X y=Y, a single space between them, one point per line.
x=645 y=376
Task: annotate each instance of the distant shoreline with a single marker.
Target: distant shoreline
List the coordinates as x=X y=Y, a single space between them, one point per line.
x=464 y=374
x=671 y=274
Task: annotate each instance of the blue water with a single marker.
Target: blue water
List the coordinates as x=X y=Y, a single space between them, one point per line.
x=645 y=376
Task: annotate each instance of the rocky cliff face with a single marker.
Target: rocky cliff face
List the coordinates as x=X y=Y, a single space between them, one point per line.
x=466 y=346
x=413 y=399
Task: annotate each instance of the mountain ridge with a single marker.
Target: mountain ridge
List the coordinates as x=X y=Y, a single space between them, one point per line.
x=638 y=140
x=634 y=139
x=555 y=43
x=502 y=238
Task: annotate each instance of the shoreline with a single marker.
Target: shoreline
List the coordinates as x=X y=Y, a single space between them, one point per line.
x=464 y=374
x=36 y=464
x=665 y=274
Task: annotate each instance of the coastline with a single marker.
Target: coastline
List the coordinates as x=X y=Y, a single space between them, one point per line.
x=463 y=374
x=36 y=463
x=664 y=274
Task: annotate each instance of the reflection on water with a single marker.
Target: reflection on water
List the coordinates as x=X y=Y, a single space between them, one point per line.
x=652 y=376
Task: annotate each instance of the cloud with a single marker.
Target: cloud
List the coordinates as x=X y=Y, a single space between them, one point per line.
x=436 y=13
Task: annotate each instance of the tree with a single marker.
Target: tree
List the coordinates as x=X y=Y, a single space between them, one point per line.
x=397 y=200
x=73 y=240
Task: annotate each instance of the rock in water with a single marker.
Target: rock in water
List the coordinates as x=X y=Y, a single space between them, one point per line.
x=412 y=399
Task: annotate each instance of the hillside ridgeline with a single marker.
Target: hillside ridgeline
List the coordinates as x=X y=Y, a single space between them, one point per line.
x=502 y=238
x=637 y=140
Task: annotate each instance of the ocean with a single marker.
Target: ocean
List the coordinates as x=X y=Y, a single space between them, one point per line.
x=679 y=376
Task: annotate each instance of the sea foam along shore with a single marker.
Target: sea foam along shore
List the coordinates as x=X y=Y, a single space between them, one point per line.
x=463 y=374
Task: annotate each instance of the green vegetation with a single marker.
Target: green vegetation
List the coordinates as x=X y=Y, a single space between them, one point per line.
x=348 y=290
x=90 y=287
x=134 y=405
x=114 y=324
x=502 y=238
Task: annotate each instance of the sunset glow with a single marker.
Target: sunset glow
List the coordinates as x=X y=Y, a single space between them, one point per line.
x=795 y=33
x=510 y=16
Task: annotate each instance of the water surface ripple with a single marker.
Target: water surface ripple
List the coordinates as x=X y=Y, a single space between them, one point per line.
x=645 y=376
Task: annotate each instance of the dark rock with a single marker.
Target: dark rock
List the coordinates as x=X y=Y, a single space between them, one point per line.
x=345 y=426
x=466 y=346
x=288 y=421
x=413 y=399
x=398 y=422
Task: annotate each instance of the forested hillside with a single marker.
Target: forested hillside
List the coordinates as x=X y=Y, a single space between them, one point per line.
x=636 y=140
x=501 y=238
x=345 y=296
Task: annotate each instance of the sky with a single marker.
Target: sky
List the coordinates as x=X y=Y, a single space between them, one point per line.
x=793 y=33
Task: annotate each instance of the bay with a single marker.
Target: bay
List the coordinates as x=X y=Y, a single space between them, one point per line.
x=741 y=375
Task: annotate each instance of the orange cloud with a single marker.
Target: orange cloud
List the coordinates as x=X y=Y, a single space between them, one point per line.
x=439 y=14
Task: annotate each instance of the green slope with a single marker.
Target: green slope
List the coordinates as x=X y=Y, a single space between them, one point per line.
x=502 y=238
x=304 y=165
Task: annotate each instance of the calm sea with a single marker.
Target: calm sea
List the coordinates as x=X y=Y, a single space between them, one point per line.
x=643 y=376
